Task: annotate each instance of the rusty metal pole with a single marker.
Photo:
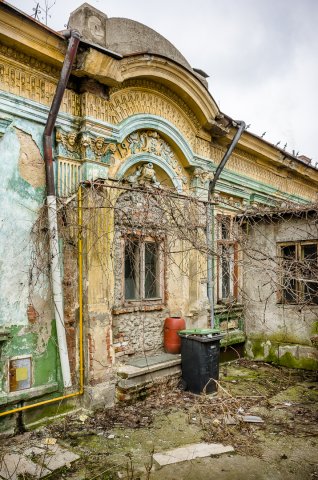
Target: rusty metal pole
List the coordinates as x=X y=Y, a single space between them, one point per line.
x=210 y=217
x=55 y=264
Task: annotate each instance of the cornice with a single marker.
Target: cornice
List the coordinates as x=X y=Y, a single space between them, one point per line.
x=29 y=36
x=265 y=153
x=158 y=69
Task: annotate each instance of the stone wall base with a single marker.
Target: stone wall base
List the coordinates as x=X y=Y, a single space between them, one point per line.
x=288 y=355
x=99 y=396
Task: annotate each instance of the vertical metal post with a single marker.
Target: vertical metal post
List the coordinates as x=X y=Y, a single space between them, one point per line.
x=210 y=218
x=56 y=279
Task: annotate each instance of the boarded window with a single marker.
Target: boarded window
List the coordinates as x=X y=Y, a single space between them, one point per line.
x=20 y=374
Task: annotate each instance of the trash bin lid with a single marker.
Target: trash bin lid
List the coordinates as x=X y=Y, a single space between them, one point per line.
x=200 y=331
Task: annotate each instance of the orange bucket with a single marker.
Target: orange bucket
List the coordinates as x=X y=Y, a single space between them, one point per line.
x=172 y=341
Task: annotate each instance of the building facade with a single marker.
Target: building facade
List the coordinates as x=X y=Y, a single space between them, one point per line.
x=138 y=138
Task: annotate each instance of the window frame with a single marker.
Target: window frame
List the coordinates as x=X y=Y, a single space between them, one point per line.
x=142 y=240
x=299 y=280
x=226 y=242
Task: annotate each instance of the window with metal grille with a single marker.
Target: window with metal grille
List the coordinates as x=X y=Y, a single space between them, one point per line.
x=143 y=269
x=227 y=264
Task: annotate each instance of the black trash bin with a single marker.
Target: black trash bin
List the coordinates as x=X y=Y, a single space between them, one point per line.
x=200 y=358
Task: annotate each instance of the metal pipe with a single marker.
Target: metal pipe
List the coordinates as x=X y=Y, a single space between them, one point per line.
x=56 y=280
x=210 y=218
x=80 y=299
x=80 y=285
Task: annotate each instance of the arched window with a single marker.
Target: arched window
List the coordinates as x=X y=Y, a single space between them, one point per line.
x=140 y=256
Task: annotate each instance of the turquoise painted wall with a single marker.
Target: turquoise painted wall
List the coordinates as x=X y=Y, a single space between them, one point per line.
x=22 y=195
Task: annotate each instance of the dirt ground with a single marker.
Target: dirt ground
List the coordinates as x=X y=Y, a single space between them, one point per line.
x=119 y=443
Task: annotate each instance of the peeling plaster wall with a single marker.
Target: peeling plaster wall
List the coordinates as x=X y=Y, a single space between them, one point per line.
x=20 y=203
x=138 y=333
x=26 y=314
x=271 y=325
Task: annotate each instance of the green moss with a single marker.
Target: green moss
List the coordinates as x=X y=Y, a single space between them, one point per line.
x=314 y=328
x=232 y=339
x=267 y=350
x=39 y=415
x=47 y=365
x=288 y=360
x=263 y=350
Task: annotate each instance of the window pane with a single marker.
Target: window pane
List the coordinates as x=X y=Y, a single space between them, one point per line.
x=309 y=272
x=309 y=261
x=311 y=292
x=227 y=266
x=151 y=271
x=225 y=228
x=132 y=270
x=289 y=273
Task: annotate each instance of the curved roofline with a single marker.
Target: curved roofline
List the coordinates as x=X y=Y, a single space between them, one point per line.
x=183 y=61
x=154 y=67
x=177 y=77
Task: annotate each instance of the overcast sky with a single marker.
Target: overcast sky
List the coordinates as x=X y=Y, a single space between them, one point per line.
x=261 y=56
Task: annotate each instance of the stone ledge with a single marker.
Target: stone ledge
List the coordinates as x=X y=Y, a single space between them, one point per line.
x=129 y=371
x=149 y=377
x=138 y=308
x=27 y=394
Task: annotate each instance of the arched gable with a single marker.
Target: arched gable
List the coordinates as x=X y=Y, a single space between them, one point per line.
x=172 y=135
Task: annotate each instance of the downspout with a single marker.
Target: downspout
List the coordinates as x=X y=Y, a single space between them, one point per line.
x=56 y=279
x=210 y=217
x=80 y=299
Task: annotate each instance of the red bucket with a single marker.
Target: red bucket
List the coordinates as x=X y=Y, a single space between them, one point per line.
x=172 y=341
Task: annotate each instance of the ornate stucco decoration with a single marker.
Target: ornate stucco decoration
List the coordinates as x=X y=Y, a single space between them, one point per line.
x=200 y=177
x=68 y=144
x=150 y=141
x=83 y=146
x=144 y=174
x=4 y=125
x=228 y=201
x=31 y=79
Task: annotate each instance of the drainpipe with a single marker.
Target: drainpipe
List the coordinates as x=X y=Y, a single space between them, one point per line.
x=210 y=217
x=56 y=279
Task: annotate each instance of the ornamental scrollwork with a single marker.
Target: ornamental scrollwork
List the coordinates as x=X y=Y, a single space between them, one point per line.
x=150 y=141
x=83 y=146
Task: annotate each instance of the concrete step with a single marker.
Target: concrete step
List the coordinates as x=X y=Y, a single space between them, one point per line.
x=135 y=382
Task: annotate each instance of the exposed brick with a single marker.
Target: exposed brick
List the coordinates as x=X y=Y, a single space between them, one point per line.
x=32 y=314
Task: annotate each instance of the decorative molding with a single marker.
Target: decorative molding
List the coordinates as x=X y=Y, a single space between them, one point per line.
x=143 y=175
x=149 y=141
x=122 y=105
x=31 y=62
x=139 y=158
x=203 y=148
x=249 y=165
x=24 y=81
x=142 y=97
x=148 y=85
x=81 y=156
x=4 y=124
x=165 y=129
x=83 y=146
x=200 y=177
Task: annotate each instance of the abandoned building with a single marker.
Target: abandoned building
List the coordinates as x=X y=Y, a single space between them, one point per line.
x=136 y=144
